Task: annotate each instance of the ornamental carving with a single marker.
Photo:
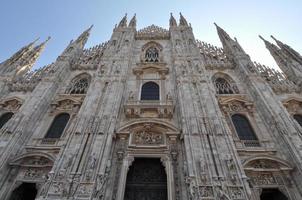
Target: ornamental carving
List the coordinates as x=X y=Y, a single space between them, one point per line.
x=66 y=104
x=263 y=179
x=12 y=104
x=293 y=105
x=235 y=104
x=33 y=173
x=205 y=191
x=152 y=32
x=236 y=193
x=147 y=138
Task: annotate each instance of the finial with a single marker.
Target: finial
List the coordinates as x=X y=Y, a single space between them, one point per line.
x=262 y=38
x=275 y=39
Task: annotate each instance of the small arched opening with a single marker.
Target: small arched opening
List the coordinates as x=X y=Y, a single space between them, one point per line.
x=26 y=191
x=58 y=125
x=272 y=194
x=5 y=118
x=298 y=118
x=150 y=91
x=243 y=127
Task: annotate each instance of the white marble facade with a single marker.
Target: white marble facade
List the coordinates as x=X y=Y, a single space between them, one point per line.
x=189 y=128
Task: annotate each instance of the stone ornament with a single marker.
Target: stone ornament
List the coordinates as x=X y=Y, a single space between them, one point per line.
x=11 y=104
x=152 y=32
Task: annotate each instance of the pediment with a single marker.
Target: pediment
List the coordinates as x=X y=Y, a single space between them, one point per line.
x=12 y=103
x=292 y=100
x=33 y=159
x=266 y=163
x=67 y=100
x=225 y=100
x=67 y=103
x=151 y=68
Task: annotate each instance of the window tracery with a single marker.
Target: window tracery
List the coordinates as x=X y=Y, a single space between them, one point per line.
x=224 y=84
x=152 y=55
x=79 y=85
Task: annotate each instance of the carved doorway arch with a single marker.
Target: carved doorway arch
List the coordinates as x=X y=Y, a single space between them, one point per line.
x=146 y=179
x=152 y=140
x=25 y=191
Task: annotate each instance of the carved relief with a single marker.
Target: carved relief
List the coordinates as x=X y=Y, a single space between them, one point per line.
x=263 y=179
x=235 y=104
x=12 y=104
x=147 y=138
x=293 y=105
x=66 y=104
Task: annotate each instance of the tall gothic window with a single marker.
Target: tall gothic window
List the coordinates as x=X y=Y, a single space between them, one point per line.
x=79 y=85
x=5 y=118
x=298 y=118
x=243 y=127
x=58 y=125
x=150 y=91
x=223 y=86
x=152 y=55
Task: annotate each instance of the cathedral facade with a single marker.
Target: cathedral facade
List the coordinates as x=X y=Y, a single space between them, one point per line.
x=151 y=114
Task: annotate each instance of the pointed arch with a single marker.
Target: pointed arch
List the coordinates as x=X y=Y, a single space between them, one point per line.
x=152 y=52
x=298 y=118
x=5 y=118
x=79 y=84
x=224 y=84
x=150 y=91
x=58 y=125
x=243 y=127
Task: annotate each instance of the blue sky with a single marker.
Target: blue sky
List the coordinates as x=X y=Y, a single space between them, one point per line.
x=23 y=21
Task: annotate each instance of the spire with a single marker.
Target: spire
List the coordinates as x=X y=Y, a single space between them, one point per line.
x=123 y=22
x=132 y=22
x=229 y=45
x=27 y=62
x=288 y=50
x=292 y=70
x=182 y=21
x=82 y=39
x=19 y=54
x=172 y=21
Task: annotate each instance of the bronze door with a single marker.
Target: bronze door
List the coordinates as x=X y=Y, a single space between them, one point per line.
x=146 y=180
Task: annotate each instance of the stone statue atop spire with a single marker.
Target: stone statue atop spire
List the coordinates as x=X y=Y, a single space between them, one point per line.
x=132 y=22
x=182 y=21
x=123 y=22
x=172 y=21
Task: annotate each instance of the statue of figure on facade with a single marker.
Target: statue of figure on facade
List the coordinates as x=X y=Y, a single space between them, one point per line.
x=99 y=190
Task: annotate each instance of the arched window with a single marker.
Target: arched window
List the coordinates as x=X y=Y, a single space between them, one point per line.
x=298 y=118
x=243 y=127
x=152 y=55
x=58 y=125
x=5 y=118
x=150 y=91
x=79 y=85
x=223 y=86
